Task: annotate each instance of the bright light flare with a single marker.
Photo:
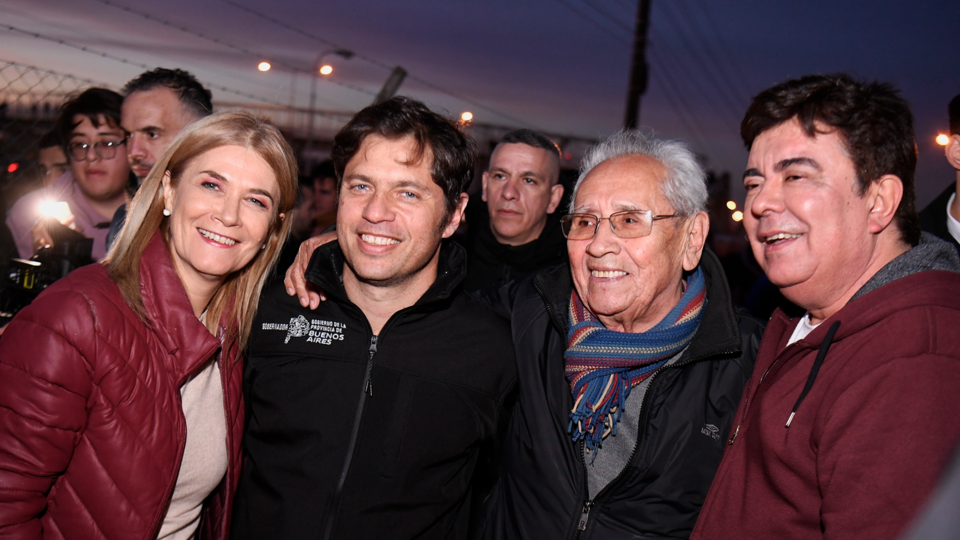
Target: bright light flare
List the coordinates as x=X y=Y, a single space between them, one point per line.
x=13 y=167
x=731 y=205
x=57 y=210
x=466 y=116
x=737 y=216
x=943 y=140
x=264 y=66
x=326 y=69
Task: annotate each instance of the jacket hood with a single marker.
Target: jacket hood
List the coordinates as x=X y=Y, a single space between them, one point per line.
x=926 y=275
x=170 y=313
x=718 y=332
x=326 y=271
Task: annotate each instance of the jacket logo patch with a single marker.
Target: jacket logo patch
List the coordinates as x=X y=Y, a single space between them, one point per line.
x=315 y=330
x=711 y=431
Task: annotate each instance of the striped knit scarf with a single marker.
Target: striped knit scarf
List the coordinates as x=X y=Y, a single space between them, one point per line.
x=603 y=365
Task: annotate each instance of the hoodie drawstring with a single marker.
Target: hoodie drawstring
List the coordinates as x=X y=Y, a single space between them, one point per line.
x=824 y=346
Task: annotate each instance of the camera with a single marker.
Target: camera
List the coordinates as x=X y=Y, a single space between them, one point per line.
x=24 y=279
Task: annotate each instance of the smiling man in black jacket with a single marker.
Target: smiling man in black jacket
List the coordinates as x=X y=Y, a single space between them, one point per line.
x=381 y=413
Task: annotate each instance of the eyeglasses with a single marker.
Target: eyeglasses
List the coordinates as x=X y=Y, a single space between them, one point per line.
x=629 y=224
x=103 y=149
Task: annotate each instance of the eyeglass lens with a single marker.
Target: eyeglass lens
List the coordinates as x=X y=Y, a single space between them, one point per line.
x=103 y=149
x=623 y=224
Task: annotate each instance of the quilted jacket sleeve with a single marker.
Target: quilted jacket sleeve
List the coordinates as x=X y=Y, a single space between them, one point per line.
x=45 y=384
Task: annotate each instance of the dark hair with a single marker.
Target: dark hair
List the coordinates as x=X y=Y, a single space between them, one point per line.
x=49 y=140
x=872 y=120
x=532 y=138
x=94 y=104
x=193 y=96
x=454 y=154
x=954 y=111
x=324 y=169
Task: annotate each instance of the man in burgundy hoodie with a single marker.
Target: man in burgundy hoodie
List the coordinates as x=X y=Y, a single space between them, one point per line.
x=851 y=411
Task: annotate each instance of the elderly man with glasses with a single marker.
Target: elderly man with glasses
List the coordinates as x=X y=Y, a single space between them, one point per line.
x=631 y=358
x=95 y=186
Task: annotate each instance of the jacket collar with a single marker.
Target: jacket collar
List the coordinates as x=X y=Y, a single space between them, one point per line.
x=718 y=333
x=170 y=313
x=326 y=271
x=534 y=254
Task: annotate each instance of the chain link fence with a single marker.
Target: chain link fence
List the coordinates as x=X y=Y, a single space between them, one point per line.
x=30 y=100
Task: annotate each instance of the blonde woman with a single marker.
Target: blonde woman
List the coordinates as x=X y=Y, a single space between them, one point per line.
x=120 y=387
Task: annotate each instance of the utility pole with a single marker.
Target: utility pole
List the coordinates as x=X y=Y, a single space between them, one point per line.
x=638 y=66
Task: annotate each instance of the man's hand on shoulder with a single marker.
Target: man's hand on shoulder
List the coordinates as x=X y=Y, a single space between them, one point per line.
x=294 y=280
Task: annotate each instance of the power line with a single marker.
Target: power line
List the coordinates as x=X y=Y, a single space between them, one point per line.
x=375 y=62
x=140 y=65
x=593 y=21
x=201 y=35
x=711 y=24
x=610 y=17
x=720 y=90
x=668 y=56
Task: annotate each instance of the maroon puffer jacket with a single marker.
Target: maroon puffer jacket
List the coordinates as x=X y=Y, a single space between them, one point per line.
x=91 y=426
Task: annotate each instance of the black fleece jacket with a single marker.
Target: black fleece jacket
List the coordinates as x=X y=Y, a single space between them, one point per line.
x=351 y=435
x=689 y=407
x=492 y=264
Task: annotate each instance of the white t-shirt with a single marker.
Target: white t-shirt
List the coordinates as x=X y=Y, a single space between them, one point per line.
x=803 y=329
x=952 y=224
x=204 y=456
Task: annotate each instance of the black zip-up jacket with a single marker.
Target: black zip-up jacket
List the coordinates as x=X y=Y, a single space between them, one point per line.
x=355 y=436
x=492 y=264
x=686 y=412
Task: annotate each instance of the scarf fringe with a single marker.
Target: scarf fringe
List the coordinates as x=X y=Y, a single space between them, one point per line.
x=602 y=365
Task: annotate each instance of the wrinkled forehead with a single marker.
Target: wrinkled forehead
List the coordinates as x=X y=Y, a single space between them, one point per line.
x=633 y=182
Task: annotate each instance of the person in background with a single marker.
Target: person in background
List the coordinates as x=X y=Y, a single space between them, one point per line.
x=324 y=181
x=89 y=126
x=51 y=158
x=301 y=226
x=120 y=385
x=846 y=432
x=516 y=232
x=157 y=106
x=942 y=216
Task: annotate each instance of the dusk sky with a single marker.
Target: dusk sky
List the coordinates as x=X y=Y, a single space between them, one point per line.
x=555 y=65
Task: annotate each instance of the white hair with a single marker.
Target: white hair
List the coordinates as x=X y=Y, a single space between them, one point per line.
x=685 y=185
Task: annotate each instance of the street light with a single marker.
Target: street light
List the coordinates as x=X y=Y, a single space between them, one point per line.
x=264 y=66
x=466 y=117
x=321 y=69
x=943 y=140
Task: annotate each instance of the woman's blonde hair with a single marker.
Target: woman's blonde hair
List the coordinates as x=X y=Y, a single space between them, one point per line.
x=240 y=292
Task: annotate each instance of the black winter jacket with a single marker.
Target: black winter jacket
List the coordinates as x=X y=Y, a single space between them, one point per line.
x=354 y=436
x=492 y=264
x=688 y=409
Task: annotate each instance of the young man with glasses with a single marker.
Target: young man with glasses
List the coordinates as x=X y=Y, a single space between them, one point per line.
x=89 y=124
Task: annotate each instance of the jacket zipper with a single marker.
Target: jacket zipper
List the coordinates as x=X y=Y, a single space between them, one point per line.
x=644 y=416
x=585 y=514
x=367 y=390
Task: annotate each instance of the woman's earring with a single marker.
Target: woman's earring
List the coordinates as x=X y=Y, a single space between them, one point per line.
x=263 y=246
x=166 y=212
